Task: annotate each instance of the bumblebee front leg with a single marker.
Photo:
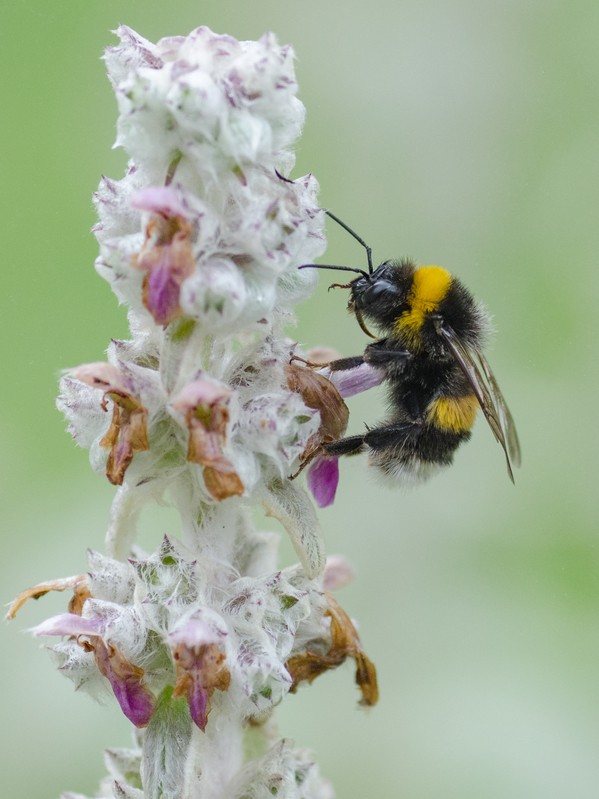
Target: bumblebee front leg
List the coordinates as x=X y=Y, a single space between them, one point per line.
x=380 y=354
x=343 y=364
x=384 y=354
x=339 y=365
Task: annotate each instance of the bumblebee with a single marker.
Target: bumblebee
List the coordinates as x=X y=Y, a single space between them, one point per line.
x=430 y=350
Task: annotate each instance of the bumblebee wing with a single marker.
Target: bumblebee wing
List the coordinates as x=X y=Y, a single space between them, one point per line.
x=487 y=393
x=506 y=418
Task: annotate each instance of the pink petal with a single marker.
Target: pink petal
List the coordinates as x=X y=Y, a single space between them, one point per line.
x=353 y=381
x=135 y=698
x=203 y=391
x=162 y=200
x=199 y=705
x=68 y=624
x=197 y=646
x=337 y=573
x=323 y=478
x=100 y=375
x=163 y=292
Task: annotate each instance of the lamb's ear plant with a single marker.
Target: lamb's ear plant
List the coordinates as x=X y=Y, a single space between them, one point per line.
x=204 y=408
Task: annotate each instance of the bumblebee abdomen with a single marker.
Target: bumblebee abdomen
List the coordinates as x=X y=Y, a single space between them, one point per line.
x=453 y=414
x=416 y=456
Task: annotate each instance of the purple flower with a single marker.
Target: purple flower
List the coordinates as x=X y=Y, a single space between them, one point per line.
x=126 y=679
x=198 y=650
x=353 y=381
x=128 y=431
x=205 y=405
x=136 y=700
x=162 y=200
x=69 y=624
x=323 y=474
x=337 y=573
x=167 y=259
x=323 y=478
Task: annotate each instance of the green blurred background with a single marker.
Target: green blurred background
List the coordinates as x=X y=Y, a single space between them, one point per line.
x=463 y=133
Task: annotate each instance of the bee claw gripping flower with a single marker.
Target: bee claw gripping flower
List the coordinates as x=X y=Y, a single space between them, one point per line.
x=201 y=409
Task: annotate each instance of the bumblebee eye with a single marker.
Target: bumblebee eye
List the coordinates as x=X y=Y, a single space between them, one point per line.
x=381 y=287
x=375 y=291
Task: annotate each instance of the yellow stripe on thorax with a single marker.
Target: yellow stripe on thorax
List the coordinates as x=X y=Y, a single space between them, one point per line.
x=429 y=286
x=453 y=414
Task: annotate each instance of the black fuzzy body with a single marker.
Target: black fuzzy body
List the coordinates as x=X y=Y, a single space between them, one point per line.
x=421 y=374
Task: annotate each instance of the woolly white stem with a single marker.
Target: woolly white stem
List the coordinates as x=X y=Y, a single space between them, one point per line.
x=214 y=758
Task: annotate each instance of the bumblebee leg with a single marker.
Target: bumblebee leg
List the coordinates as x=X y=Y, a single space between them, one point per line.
x=342 y=364
x=311 y=364
x=303 y=465
x=339 y=286
x=381 y=353
x=393 y=435
x=345 y=446
x=377 y=354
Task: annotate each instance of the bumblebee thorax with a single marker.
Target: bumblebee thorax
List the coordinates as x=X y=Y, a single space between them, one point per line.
x=430 y=286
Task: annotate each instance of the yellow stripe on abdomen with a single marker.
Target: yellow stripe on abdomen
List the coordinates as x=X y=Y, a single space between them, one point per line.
x=429 y=286
x=453 y=414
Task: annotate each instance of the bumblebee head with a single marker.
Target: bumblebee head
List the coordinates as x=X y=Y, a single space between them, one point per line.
x=379 y=295
x=383 y=294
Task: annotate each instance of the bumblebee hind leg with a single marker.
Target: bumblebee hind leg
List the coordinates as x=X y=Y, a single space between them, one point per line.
x=393 y=436
x=351 y=445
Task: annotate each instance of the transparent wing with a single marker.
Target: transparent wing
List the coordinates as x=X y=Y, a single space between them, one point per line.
x=506 y=418
x=487 y=393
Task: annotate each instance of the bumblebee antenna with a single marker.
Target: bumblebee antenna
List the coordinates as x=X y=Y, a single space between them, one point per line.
x=345 y=268
x=337 y=268
x=353 y=233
